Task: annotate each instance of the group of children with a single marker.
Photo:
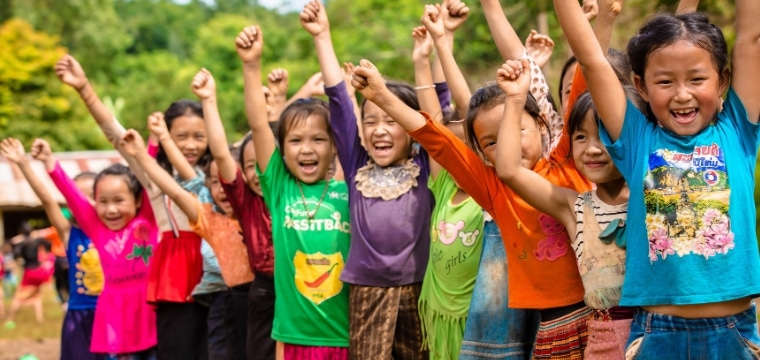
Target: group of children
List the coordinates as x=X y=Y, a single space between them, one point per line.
x=404 y=227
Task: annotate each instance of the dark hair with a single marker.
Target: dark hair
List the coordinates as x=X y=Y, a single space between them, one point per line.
x=403 y=91
x=488 y=97
x=582 y=105
x=450 y=116
x=25 y=228
x=175 y=110
x=665 y=29
x=620 y=65
x=297 y=112
x=565 y=68
x=241 y=149
x=85 y=175
x=120 y=170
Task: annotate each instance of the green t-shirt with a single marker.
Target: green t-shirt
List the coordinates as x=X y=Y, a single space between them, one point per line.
x=311 y=303
x=456 y=234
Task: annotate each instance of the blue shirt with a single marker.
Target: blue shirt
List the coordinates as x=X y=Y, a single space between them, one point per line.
x=691 y=214
x=85 y=272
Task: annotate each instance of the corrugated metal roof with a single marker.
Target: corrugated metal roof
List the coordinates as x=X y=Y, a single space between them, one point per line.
x=15 y=191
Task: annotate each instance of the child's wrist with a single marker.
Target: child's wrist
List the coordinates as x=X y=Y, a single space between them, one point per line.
x=83 y=87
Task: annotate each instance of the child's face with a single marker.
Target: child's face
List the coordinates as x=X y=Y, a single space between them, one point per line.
x=189 y=133
x=114 y=202
x=567 y=84
x=486 y=128
x=85 y=187
x=249 y=169
x=387 y=142
x=682 y=86
x=308 y=149
x=215 y=187
x=590 y=156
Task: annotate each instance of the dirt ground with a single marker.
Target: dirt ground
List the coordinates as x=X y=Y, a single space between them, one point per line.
x=43 y=349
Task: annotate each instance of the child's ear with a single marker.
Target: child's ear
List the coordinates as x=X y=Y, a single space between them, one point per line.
x=725 y=77
x=641 y=88
x=138 y=202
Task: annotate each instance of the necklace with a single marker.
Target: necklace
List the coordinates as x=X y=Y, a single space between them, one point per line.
x=311 y=214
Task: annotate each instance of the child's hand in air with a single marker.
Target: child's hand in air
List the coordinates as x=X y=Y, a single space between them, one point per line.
x=433 y=21
x=454 y=14
x=314 y=18
x=41 y=150
x=423 y=44
x=315 y=86
x=70 y=72
x=277 y=82
x=612 y=7
x=203 y=85
x=13 y=150
x=132 y=142
x=348 y=72
x=540 y=47
x=249 y=45
x=157 y=126
x=368 y=81
x=513 y=77
x=590 y=9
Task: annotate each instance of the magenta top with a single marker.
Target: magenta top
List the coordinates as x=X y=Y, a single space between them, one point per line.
x=124 y=322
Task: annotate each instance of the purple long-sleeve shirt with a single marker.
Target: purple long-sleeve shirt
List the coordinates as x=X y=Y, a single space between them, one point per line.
x=390 y=240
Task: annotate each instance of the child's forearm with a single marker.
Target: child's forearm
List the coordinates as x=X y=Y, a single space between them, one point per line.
x=167 y=184
x=52 y=209
x=255 y=109
x=460 y=91
x=217 y=141
x=331 y=72
x=687 y=6
x=405 y=116
x=425 y=88
x=509 y=44
x=177 y=159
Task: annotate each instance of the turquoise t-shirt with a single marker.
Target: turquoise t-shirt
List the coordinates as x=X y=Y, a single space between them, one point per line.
x=311 y=306
x=456 y=236
x=691 y=213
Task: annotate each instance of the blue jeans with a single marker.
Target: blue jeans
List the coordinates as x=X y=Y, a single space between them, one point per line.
x=656 y=336
x=494 y=331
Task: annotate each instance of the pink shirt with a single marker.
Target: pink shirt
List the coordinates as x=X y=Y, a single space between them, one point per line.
x=124 y=322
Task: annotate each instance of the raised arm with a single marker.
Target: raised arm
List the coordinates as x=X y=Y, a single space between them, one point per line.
x=204 y=87
x=134 y=146
x=314 y=20
x=746 y=57
x=604 y=86
x=605 y=22
x=13 y=150
x=540 y=47
x=249 y=44
x=277 y=83
x=509 y=44
x=687 y=6
x=514 y=79
x=433 y=21
x=157 y=127
x=423 y=75
x=368 y=81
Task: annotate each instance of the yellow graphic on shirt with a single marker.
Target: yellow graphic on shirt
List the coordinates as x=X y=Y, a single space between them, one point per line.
x=318 y=275
x=89 y=272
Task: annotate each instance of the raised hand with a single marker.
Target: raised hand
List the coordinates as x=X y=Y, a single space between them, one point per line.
x=157 y=126
x=590 y=9
x=277 y=82
x=348 y=72
x=513 y=77
x=132 y=143
x=315 y=86
x=454 y=14
x=367 y=80
x=612 y=7
x=13 y=150
x=539 y=47
x=70 y=72
x=203 y=85
x=249 y=45
x=41 y=150
x=423 y=44
x=433 y=21
x=314 y=18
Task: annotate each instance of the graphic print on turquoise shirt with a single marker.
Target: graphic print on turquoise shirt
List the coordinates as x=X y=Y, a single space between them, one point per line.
x=686 y=197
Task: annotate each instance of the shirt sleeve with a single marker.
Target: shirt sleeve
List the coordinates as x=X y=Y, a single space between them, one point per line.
x=466 y=167
x=273 y=179
x=351 y=154
x=236 y=194
x=444 y=95
x=734 y=111
x=630 y=138
x=80 y=207
x=197 y=186
x=201 y=225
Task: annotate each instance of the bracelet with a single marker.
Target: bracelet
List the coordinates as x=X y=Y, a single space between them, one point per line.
x=425 y=87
